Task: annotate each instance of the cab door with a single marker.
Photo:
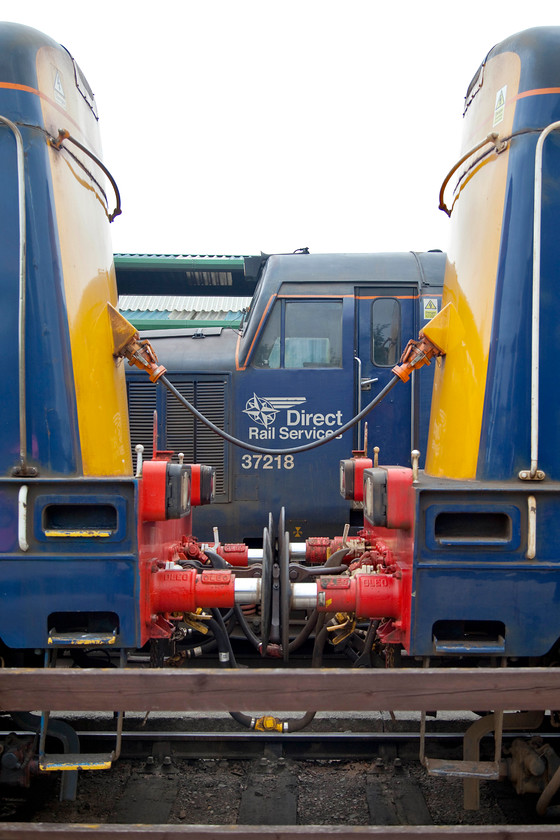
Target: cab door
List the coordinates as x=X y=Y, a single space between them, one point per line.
x=298 y=390
x=386 y=317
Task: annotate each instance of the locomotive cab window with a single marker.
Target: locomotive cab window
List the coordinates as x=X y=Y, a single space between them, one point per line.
x=385 y=332
x=302 y=334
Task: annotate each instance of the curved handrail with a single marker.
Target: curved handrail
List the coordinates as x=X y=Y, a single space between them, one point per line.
x=64 y=134
x=493 y=137
x=534 y=472
x=22 y=468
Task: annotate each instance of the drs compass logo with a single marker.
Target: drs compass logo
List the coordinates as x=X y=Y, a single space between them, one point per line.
x=295 y=423
x=263 y=410
x=299 y=424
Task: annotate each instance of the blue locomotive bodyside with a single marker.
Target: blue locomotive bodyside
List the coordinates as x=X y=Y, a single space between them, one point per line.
x=495 y=539
x=68 y=501
x=479 y=550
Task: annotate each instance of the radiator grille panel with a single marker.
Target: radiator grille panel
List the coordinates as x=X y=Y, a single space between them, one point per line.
x=141 y=406
x=181 y=432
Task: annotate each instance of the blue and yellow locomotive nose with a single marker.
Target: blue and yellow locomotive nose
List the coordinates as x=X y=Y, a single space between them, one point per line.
x=63 y=397
x=495 y=414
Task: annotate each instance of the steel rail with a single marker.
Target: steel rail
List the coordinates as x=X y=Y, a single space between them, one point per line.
x=235 y=746
x=32 y=831
x=168 y=690
x=278 y=737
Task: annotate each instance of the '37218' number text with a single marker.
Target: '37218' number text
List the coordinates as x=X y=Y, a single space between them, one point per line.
x=267 y=462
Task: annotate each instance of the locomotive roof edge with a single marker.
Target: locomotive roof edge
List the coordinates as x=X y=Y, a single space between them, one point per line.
x=338 y=270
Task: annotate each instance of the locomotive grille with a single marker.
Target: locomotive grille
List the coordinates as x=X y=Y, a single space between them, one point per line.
x=141 y=406
x=185 y=434
x=178 y=429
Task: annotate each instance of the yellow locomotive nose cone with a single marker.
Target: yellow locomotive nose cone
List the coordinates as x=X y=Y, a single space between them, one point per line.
x=123 y=330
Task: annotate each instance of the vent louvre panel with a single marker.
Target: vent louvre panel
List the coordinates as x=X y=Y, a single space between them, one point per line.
x=179 y=423
x=142 y=398
x=184 y=434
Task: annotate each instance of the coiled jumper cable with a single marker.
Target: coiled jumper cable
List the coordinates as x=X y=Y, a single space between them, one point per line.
x=268 y=451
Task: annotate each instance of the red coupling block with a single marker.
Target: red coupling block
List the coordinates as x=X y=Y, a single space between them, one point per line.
x=352 y=477
x=215 y=588
x=317 y=550
x=202 y=484
x=400 y=498
x=366 y=596
x=154 y=486
x=236 y=554
x=184 y=590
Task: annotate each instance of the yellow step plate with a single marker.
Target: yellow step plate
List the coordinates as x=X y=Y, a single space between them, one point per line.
x=463 y=769
x=76 y=761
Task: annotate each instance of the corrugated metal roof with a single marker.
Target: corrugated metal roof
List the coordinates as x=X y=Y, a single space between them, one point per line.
x=134 y=315
x=182 y=303
x=185 y=256
x=188 y=262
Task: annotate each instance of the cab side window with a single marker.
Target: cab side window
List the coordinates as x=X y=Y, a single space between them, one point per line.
x=302 y=334
x=267 y=354
x=385 y=332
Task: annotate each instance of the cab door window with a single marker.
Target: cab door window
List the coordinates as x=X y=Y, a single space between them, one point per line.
x=385 y=332
x=302 y=334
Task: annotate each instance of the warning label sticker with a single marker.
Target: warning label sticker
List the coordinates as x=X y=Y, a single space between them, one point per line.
x=500 y=106
x=430 y=308
x=59 y=96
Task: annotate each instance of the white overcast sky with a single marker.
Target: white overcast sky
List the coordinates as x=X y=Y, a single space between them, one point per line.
x=240 y=126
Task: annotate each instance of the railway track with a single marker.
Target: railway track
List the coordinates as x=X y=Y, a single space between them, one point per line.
x=348 y=777
x=209 y=832
x=374 y=798
x=351 y=741
x=270 y=790
x=365 y=781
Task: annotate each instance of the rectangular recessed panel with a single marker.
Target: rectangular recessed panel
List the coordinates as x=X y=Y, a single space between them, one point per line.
x=71 y=520
x=468 y=526
x=457 y=526
x=469 y=636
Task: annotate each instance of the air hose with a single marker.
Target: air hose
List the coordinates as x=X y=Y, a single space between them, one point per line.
x=262 y=450
x=227 y=660
x=218 y=561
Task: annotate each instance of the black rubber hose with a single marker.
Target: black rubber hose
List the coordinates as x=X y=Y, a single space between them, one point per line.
x=218 y=561
x=195 y=650
x=294 y=449
x=216 y=624
x=247 y=632
x=227 y=660
x=316 y=662
x=297 y=724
